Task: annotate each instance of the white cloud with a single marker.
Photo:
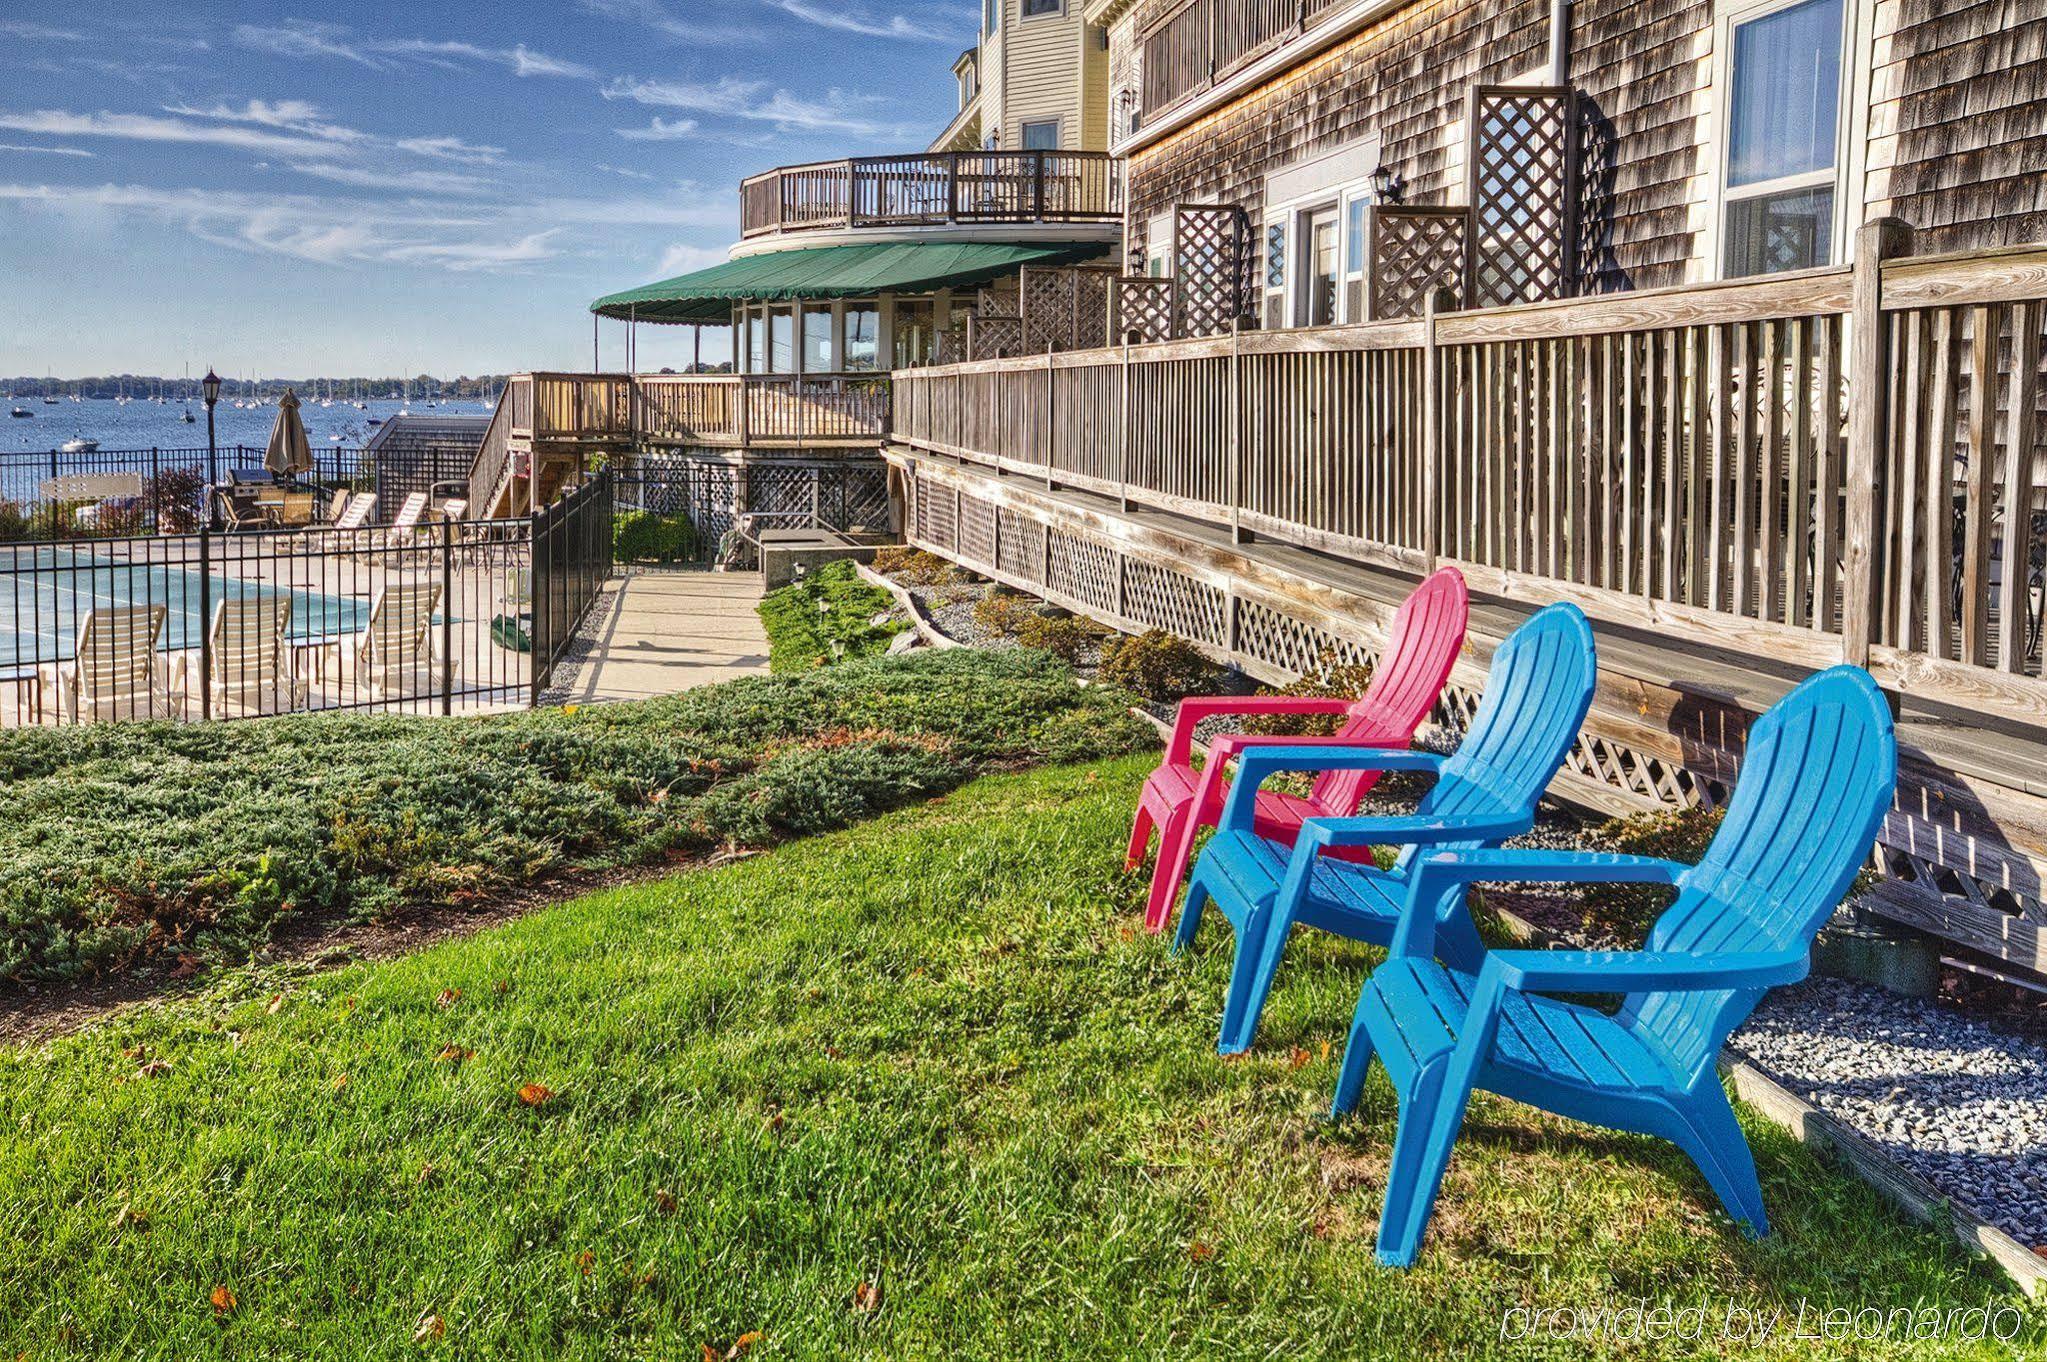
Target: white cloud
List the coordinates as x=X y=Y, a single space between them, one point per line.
x=653 y=14
x=148 y=128
x=60 y=151
x=848 y=19
x=661 y=130
x=628 y=173
x=754 y=100
x=39 y=33
x=682 y=258
x=452 y=149
x=331 y=231
x=520 y=60
x=299 y=38
x=404 y=181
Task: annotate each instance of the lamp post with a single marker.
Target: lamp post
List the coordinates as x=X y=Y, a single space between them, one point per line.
x=210 y=385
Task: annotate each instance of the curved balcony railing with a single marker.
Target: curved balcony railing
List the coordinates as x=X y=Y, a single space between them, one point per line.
x=934 y=189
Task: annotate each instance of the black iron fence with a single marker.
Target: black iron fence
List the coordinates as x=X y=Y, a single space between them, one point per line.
x=99 y=493
x=571 y=550
x=440 y=618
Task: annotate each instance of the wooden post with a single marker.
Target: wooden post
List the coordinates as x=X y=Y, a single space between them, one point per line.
x=1439 y=300
x=1868 y=404
x=1051 y=440
x=1123 y=447
x=1235 y=432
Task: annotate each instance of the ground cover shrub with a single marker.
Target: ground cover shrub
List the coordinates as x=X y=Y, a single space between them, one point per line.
x=1160 y=667
x=1331 y=680
x=1624 y=912
x=917 y=567
x=1034 y=624
x=122 y=844
x=825 y=618
x=647 y=537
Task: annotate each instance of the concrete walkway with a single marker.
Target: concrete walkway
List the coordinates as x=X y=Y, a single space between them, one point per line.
x=659 y=631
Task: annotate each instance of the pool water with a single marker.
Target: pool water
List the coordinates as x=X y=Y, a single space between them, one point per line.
x=45 y=592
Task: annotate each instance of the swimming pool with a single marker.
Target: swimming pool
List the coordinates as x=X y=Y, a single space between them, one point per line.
x=46 y=590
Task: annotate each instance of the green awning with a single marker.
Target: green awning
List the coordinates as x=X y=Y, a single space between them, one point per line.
x=834 y=272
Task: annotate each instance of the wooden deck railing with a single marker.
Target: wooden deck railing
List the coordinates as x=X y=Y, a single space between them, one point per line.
x=1834 y=464
x=712 y=409
x=1205 y=41
x=934 y=189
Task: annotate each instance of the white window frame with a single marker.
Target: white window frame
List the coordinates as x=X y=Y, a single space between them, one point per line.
x=1845 y=177
x=1058 y=12
x=1158 y=246
x=1058 y=133
x=1297 y=213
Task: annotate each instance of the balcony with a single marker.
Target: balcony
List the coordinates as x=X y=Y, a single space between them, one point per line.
x=935 y=189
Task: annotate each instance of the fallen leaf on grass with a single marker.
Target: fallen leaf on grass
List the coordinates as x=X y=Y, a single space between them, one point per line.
x=664 y=1201
x=867 y=1298
x=427 y=1173
x=502 y=986
x=187 y=966
x=128 y=1217
x=224 y=1301
x=1201 y=1252
x=737 y=1350
x=585 y=1261
x=533 y=1094
x=275 y=1005
x=340 y=1082
x=447 y=998
x=1298 y=1057
x=454 y=1054
x=153 y=1068
x=430 y=1327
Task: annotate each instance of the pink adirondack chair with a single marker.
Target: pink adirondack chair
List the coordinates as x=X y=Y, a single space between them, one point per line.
x=1178 y=801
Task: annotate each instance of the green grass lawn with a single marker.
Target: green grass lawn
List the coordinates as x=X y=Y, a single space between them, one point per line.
x=933 y=1055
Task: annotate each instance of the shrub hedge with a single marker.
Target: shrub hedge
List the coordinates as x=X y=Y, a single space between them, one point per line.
x=801 y=635
x=644 y=537
x=122 y=843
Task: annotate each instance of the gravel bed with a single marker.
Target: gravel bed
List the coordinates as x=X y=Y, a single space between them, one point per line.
x=1959 y=1100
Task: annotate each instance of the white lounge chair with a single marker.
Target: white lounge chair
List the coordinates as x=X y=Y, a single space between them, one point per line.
x=356 y=512
x=253 y=668
x=115 y=672
x=398 y=651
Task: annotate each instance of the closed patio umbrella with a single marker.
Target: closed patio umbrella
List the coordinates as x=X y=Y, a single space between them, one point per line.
x=288 y=455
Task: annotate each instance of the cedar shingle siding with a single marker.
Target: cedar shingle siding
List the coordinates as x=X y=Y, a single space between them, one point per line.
x=1958 y=127
x=1957 y=135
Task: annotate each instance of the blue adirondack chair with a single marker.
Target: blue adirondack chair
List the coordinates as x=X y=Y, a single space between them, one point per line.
x=1536 y=697
x=1815 y=784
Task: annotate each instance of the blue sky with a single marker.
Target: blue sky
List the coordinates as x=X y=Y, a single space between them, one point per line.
x=348 y=188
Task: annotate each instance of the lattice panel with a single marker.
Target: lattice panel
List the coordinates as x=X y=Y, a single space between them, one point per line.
x=1160 y=598
x=1414 y=251
x=1022 y=544
x=935 y=517
x=1292 y=645
x=1083 y=570
x=854 y=498
x=781 y=490
x=1522 y=194
x=994 y=337
x=977 y=530
x=1064 y=308
x=1144 y=308
x=1091 y=308
x=1208 y=268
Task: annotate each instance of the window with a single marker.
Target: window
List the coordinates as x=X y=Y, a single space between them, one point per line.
x=863 y=338
x=756 y=341
x=1275 y=273
x=1356 y=216
x=1032 y=9
x=782 y=340
x=817 y=340
x=915 y=332
x=1783 y=138
x=1041 y=136
x=991 y=16
x=1319 y=270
